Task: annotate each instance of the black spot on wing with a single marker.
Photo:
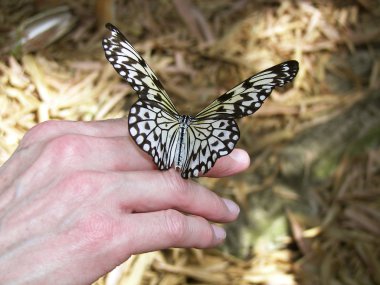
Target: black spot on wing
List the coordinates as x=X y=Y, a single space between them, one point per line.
x=246 y=84
x=225 y=97
x=158 y=98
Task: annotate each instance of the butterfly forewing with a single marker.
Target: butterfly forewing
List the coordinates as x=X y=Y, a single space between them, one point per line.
x=155 y=132
x=207 y=141
x=248 y=96
x=133 y=68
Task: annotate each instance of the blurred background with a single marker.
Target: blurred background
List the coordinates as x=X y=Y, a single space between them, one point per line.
x=311 y=197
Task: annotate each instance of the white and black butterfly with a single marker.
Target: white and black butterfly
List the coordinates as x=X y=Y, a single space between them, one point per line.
x=191 y=144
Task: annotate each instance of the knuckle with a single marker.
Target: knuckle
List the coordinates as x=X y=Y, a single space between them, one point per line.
x=173 y=180
x=217 y=206
x=176 y=225
x=207 y=232
x=38 y=130
x=65 y=146
x=178 y=187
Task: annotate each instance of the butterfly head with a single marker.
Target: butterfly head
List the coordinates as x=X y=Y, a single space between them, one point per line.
x=184 y=121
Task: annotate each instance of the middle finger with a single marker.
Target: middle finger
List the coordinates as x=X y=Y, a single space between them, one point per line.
x=147 y=191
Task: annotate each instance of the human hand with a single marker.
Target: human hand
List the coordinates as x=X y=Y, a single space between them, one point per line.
x=79 y=198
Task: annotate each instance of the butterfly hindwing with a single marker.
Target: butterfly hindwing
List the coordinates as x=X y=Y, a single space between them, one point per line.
x=208 y=140
x=248 y=96
x=133 y=68
x=155 y=132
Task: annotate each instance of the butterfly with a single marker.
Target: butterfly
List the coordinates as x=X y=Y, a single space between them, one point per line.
x=191 y=144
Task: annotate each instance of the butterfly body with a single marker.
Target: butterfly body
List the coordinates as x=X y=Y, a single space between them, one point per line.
x=190 y=144
x=184 y=122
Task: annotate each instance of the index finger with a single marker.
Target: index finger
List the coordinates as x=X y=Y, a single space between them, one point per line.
x=113 y=130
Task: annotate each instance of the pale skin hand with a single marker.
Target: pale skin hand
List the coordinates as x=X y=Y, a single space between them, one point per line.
x=77 y=199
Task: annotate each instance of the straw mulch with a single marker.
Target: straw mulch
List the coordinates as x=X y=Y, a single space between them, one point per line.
x=311 y=198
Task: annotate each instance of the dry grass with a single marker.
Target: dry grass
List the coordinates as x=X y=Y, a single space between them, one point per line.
x=310 y=218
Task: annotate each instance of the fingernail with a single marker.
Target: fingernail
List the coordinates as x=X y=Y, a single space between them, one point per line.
x=219 y=232
x=239 y=155
x=232 y=206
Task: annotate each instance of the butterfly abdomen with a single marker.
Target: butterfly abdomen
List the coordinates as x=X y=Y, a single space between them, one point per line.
x=180 y=156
